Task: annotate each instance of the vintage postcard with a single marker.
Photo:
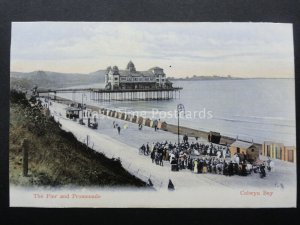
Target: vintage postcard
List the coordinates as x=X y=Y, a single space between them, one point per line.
x=152 y=115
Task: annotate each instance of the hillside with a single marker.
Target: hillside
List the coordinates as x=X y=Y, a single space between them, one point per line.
x=47 y=79
x=56 y=157
x=196 y=77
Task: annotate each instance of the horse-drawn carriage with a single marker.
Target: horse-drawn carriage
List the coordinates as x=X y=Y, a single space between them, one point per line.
x=93 y=125
x=72 y=112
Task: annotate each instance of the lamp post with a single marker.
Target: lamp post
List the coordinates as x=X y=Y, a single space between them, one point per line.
x=48 y=98
x=180 y=108
x=83 y=94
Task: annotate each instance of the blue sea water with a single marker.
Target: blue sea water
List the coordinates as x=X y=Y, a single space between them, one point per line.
x=252 y=109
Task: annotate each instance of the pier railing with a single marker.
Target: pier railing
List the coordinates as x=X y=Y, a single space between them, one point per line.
x=103 y=90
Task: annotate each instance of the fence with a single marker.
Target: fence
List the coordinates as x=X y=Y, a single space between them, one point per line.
x=129 y=166
x=136 y=171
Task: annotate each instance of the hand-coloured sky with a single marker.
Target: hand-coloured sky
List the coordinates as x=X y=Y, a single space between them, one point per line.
x=182 y=49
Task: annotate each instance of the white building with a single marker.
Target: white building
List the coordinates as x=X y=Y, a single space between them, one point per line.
x=132 y=79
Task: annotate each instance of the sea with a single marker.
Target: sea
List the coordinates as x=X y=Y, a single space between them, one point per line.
x=248 y=109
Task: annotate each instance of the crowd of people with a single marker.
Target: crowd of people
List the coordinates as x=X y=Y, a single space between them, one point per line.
x=202 y=158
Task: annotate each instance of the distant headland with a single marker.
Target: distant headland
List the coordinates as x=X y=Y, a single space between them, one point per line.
x=214 y=77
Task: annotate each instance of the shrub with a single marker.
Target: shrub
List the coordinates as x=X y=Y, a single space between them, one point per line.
x=18 y=97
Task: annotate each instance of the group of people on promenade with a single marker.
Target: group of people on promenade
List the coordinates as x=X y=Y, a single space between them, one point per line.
x=155 y=125
x=201 y=158
x=140 y=126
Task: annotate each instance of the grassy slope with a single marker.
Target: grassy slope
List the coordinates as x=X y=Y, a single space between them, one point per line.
x=47 y=79
x=55 y=156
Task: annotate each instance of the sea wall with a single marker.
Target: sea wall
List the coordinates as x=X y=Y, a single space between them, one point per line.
x=196 y=133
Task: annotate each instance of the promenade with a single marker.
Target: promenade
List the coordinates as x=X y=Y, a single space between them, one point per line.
x=125 y=146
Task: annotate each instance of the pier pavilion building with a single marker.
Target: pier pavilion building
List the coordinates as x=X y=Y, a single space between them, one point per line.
x=130 y=78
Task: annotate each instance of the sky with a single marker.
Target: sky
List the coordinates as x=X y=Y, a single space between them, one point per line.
x=181 y=49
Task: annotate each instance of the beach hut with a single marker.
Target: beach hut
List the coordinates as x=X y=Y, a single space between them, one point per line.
x=290 y=154
x=248 y=148
x=272 y=150
x=123 y=116
x=164 y=126
x=279 y=151
x=115 y=114
x=147 y=123
x=134 y=119
x=151 y=123
x=159 y=125
x=128 y=117
x=140 y=120
x=144 y=121
x=119 y=115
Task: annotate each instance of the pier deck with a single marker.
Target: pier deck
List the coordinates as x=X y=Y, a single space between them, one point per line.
x=100 y=94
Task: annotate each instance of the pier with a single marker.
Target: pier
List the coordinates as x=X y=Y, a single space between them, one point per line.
x=128 y=85
x=135 y=94
x=98 y=94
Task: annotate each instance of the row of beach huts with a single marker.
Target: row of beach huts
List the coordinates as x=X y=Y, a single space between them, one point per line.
x=134 y=118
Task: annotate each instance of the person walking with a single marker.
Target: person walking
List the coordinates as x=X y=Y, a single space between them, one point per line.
x=155 y=125
x=224 y=153
x=185 y=138
x=153 y=156
x=204 y=170
x=237 y=159
x=171 y=185
x=143 y=149
x=272 y=166
x=119 y=129
x=262 y=170
x=140 y=126
x=195 y=166
x=161 y=159
x=147 y=148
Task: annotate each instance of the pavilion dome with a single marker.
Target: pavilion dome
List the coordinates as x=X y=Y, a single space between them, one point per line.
x=130 y=66
x=115 y=70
